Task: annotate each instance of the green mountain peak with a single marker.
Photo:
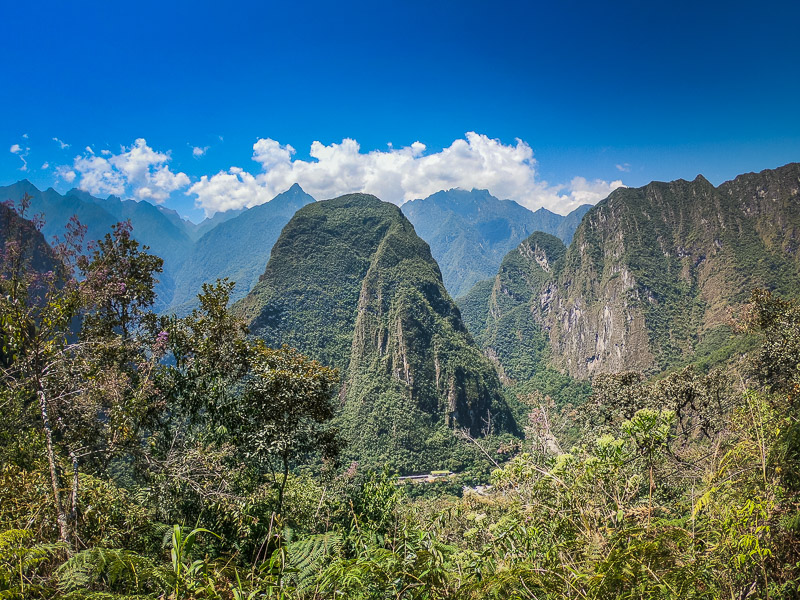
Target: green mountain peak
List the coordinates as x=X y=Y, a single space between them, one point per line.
x=351 y=284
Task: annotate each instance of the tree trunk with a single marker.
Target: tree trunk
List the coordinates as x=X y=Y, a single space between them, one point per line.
x=282 y=487
x=61 y=517
x=73 y=513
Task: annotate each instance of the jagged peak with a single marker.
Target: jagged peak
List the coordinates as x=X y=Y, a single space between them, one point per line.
x=26 y=186
x=791 y=169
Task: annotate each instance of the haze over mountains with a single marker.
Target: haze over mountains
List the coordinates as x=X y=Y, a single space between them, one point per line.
x=469 y=233
x=153 y=226
x=237 y=248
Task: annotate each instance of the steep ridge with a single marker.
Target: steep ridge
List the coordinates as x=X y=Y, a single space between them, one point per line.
x=350 y=284
x=165 y=236
x=207 y=224
x=502 y=313
x=653 y=272
x=39 y=256
x=237 y=248
x=470 y=232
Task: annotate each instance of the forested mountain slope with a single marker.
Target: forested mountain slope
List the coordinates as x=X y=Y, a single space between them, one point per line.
x=652 y=272
x=350 y=284
x=38 y=255
x=501 y=312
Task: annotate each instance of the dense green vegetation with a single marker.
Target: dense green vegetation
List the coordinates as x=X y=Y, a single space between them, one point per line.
x=144 y=456
x=350 y=284
x=504 y=316
x=125 y=475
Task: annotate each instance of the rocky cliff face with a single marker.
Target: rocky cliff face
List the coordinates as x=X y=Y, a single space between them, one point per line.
x=651 y=271
x=652 y=274
x=503 y=314
x=350 y=283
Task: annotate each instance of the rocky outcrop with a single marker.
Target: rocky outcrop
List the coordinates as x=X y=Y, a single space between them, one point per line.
x=652 y=270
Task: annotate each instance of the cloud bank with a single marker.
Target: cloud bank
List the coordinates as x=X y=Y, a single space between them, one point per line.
x=396 y=175
x=138 y=170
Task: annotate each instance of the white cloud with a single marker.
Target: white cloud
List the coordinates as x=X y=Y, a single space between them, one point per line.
x=45 y=165
x=235 y=188
x=624 y=167
x=396 y=175
x=198 y=151
x=63 y=145
x=25 y=136
x=582 y=191
x=138 y=170
x=22 y=153
x=271 y=154
x=65 y=173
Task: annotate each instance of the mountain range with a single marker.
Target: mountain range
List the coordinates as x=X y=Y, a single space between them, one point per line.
x=237 y=243
x=650 y=279
x=471 y=231
x=645 y=280
x=152 y=226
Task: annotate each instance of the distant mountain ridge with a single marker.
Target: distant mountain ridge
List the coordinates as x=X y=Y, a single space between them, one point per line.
x=238 y=251
x=471 y=231
x=351 y=284
x=237 y=248
x=151 y=226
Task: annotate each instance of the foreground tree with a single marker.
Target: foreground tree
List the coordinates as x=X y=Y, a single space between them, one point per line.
x=77 y=346
x=38 y=303
x=285 y=411
x=240 y=416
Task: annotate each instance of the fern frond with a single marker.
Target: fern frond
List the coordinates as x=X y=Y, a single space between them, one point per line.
x=111 y=570
x=309 y=555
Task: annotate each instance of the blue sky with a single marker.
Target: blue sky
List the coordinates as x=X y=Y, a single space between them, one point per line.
x=632 y=92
